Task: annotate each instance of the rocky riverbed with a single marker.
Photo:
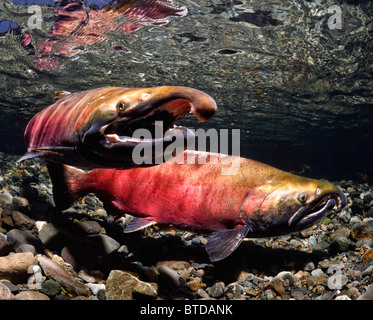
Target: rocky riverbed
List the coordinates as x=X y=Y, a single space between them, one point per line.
x=77 y=254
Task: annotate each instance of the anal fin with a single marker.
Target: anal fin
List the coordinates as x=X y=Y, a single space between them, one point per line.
x=138 y=223
x=221 y=244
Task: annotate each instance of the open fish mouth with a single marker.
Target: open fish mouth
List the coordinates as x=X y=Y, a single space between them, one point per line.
x=309 y=215
x=158 y=123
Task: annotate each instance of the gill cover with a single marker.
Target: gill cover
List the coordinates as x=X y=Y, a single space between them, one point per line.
x=221 y=244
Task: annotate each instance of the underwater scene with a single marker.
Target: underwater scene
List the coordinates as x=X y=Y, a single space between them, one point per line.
x=186 y=150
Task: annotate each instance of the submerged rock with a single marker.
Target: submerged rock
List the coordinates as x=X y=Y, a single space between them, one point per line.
x=30 y=295
x=122 y=285
x=63 y=277
x=341 y=244
x=14 y=267
x=363 y=231
x=5 y=293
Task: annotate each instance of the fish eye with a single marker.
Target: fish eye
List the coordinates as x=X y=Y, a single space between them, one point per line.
x=302 y=197
x=121 y=106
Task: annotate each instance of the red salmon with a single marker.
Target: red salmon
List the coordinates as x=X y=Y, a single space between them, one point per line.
x=257 y=201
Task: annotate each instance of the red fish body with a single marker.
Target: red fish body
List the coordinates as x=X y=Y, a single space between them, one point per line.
x=258 y=200
x=192 y=196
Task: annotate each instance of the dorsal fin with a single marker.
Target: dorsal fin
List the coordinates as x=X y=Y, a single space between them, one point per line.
x=59 y=94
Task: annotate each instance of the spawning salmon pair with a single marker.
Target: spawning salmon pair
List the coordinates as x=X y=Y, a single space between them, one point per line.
x=94 y=130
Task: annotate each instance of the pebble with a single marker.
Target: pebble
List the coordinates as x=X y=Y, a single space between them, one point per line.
x=317 y=279
x=196 y=284
x=286 y=276
x=13 y=288
x=14 y=267
x=362 y=231
x=25 y=247
x=268 y=294
x=20 y=237
x=178 y=265
x=86 y=277
x=40 y=225
x=106 y=244
x=297 y=294
x=51 y=237
x=344 y=231
x=217 y=290
x=353 y=293
x=168 y=277
x=339 y=243
x=96 y=287
x=368 y=271
x=233 y=291
x=20 y=201
x=50 y=287
x=87 y=227
x=62 y=276
x=317 y=272
x=5 y=293
x=278 y=286
x=343 y=297
x=200 y=294
x=325 y=264
x=31 y=295
x=368 y=294
x=5 y=199
x=322 y=245
x=309 y=266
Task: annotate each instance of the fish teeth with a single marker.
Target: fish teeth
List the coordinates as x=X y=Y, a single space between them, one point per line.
x=113 y=138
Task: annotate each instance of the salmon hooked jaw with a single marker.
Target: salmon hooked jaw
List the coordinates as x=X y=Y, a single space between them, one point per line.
x=151 y=126
x=308 y=215
x=159 y=122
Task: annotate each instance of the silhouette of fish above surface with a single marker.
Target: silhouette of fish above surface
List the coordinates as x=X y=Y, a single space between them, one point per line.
x=256 y=201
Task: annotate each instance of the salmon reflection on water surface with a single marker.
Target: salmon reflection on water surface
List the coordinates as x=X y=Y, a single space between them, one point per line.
x=77 y=26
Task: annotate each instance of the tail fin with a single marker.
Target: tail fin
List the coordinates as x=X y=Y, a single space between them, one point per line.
x=65 y=186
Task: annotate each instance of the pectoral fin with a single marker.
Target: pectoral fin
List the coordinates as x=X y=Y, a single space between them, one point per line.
x=138 y=224
x=57 y=150
x=47 y=151
x=30 y=155
x=222 y=243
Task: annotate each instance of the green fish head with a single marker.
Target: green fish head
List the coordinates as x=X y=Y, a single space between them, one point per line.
x=289 y=203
